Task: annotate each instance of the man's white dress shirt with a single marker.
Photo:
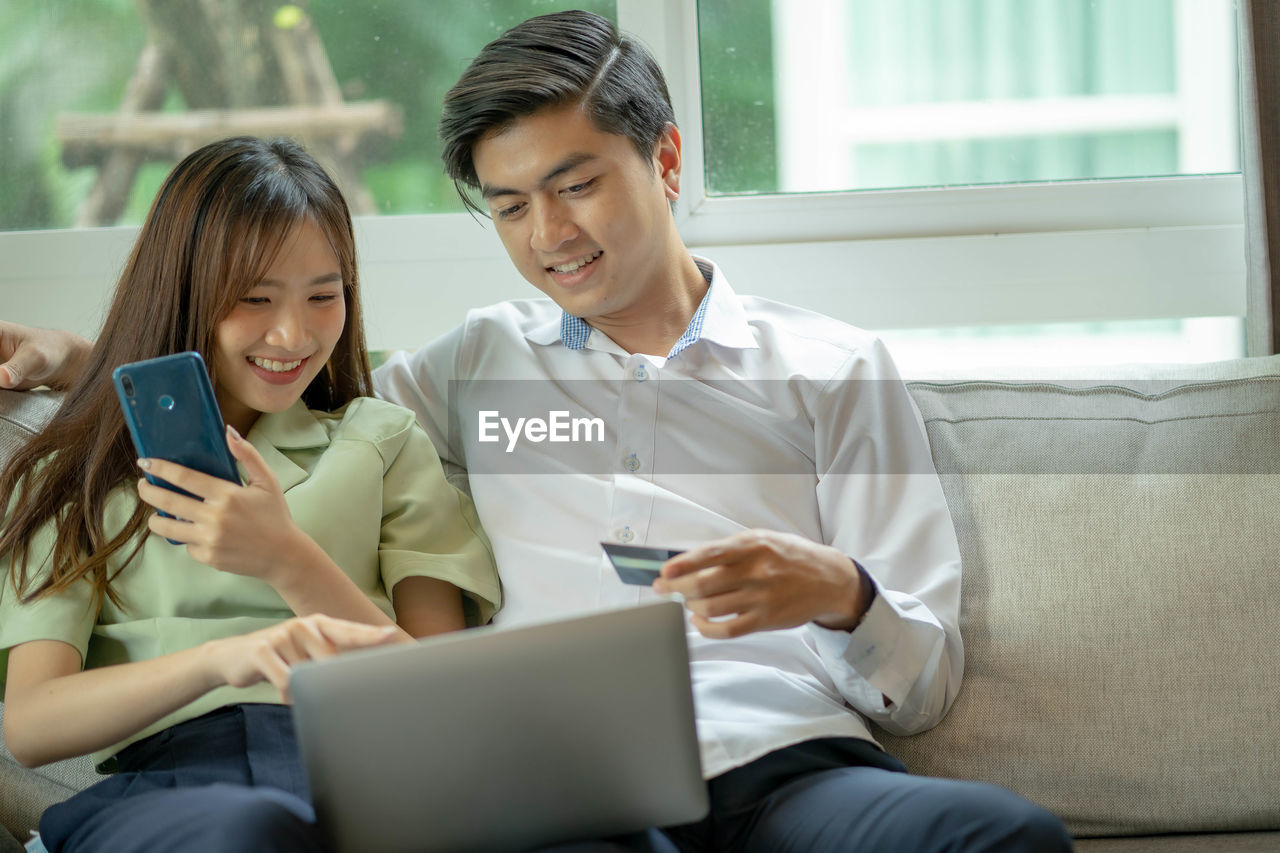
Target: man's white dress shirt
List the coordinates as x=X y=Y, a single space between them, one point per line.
x=762 y=416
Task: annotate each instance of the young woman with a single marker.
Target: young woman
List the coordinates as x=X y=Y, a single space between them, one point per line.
x=169 y=663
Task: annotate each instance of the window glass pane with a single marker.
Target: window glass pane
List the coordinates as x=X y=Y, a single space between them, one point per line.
x=866 y=94
x=360 y=83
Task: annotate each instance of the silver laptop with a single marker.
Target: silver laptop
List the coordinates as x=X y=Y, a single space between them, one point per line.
x=504 y=739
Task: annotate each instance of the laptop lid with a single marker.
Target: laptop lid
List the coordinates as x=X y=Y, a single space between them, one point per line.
x=504 y=738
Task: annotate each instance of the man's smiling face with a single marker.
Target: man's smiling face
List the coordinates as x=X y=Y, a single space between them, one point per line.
x=583 y=216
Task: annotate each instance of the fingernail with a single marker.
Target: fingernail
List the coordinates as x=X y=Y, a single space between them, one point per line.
x=144 y=464
x=231 y=431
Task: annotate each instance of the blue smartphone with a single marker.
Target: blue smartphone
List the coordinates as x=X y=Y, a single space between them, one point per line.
x=171 y=412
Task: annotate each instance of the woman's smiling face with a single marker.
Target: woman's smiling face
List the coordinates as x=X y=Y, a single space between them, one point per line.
x=280 y=334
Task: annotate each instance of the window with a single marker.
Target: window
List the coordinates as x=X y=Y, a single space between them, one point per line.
x=860 y=94
x=98 y=101
x=815 y=99
x=942 y=197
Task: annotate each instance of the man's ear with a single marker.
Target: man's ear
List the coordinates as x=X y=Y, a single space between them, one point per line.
x=666 y=157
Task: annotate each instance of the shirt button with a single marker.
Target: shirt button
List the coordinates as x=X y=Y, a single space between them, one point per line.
x=640 y=373
x=631 y=463
x=626 y=534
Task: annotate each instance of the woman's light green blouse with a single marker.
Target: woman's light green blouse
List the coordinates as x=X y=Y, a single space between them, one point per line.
x=364 y=482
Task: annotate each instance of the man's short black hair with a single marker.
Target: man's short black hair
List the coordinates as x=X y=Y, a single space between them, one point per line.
x=552 y=61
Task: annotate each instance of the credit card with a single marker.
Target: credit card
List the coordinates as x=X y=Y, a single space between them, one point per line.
x=636 y=564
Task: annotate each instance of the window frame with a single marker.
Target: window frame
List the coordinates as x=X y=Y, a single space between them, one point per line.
x=1026 y=253
x=1031 y=253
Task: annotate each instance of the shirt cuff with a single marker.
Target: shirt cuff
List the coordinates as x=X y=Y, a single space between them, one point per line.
x=858 y=659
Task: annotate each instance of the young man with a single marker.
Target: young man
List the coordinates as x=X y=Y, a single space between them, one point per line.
x=777 y=446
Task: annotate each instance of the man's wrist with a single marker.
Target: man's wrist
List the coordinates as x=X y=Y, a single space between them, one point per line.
x=868 y=589
x=864 y=593
x=81 y=349
x=867 y=592
x=72 y=361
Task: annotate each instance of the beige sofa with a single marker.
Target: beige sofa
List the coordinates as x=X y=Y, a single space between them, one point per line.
x=1121 y=603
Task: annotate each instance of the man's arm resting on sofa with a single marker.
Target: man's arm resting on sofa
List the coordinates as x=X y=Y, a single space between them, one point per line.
x=30 y=357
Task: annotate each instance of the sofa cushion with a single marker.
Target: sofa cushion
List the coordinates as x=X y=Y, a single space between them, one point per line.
x=8 y=844
x=1226 y=842
x=25 y=794
x=1120 y=596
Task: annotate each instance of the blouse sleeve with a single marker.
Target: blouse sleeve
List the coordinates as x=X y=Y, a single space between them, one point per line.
x=430 y=528
x=67 y=616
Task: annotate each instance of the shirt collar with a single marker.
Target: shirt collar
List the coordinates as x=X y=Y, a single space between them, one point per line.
x=274 y=433
x=296 y=428
x=718 y=319
x=725 y=321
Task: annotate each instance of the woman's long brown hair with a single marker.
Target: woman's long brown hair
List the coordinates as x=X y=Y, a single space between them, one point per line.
x=214 y=229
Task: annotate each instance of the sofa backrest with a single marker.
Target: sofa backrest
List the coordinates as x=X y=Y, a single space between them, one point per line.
x=1121 y=595
x=22 y=414
x=1120 y=600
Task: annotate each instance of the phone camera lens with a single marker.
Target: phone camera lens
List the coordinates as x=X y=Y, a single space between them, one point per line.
x=166 y=402
x=127 y=383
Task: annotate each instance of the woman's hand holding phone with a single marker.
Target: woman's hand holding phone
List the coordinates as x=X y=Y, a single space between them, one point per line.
x=248 y=530
x=245 y=530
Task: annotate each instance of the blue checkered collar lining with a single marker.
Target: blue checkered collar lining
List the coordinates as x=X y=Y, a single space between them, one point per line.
x=575 y=332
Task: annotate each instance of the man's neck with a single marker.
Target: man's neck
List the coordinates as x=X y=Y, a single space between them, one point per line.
x=656 y=328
